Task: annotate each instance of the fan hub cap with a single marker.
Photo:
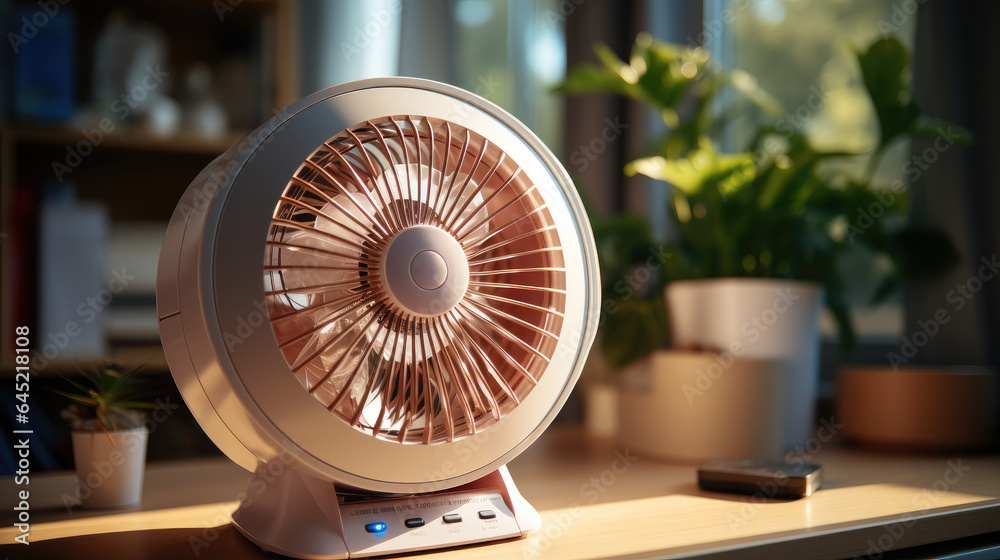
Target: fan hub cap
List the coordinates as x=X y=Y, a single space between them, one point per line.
x=425 y=271
x=429 y=270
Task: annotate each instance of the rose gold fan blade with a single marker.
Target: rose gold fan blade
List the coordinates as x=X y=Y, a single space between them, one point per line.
x=383 y=366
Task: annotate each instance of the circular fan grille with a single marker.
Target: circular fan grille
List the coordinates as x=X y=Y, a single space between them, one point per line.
x=436 y=368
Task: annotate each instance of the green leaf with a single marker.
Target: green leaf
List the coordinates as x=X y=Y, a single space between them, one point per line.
x=72 y=382
x=748 y=86
x=701 y=167
x=106 y=387
x=89 y=401
x=889 y=285
x=784 y=184
x=611 y=61
x=883 y=68
x=930 y=127
x=587 y=78
x=666 y=76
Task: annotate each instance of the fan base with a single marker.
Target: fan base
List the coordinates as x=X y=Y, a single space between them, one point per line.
x=294 y=514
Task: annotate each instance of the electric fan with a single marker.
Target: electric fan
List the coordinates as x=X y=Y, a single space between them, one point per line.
x=374 y=302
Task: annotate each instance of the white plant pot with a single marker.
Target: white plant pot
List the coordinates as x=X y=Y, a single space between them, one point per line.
x=757 y=318
x=698 y=406
x=110 y=467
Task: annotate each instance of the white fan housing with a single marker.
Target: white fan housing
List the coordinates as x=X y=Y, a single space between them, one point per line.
x=388 y=291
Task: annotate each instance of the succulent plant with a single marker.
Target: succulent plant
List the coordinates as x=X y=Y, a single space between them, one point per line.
x=107 y=399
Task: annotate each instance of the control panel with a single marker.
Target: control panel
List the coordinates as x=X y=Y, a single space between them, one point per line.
x=422 y=522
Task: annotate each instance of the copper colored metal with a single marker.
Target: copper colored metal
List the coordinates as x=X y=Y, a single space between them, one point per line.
x=400 y=377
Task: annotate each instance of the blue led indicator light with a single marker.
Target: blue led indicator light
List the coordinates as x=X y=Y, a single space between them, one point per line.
x=377 y=527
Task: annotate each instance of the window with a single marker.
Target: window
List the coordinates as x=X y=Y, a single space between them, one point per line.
x=801 y=52
x=511 y=53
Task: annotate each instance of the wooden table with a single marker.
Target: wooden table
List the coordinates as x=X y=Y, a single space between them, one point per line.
x=869 y=503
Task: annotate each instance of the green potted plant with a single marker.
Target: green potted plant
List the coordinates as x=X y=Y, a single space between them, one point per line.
x=109 y=438
x=761 y=233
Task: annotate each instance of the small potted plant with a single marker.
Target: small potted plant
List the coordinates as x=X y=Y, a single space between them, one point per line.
x=109 y=438
x=760 y=234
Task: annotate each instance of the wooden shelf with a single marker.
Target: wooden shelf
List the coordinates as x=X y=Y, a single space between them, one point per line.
x=124 y=139
x=138 y=176
x=129 y=357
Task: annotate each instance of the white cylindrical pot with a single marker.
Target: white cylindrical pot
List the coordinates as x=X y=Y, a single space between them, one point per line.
x=698 y=406
x=110 y=467
x=757 y=318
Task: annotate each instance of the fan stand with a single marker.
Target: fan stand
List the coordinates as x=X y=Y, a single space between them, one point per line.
x=294 y=514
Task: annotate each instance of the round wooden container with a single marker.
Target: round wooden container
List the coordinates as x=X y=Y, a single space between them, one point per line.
x=917 y=408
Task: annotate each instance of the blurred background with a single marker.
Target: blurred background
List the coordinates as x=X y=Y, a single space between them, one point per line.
x=110 y=108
